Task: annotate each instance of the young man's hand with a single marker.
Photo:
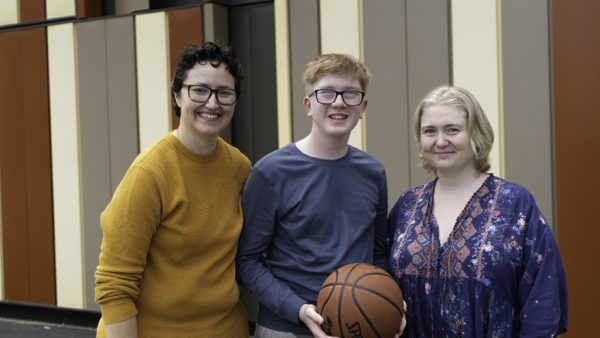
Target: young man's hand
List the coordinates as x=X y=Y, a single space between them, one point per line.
x=313 y=320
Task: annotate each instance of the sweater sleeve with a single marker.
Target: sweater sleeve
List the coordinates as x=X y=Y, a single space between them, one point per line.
x=128 y=224
x=260 y=216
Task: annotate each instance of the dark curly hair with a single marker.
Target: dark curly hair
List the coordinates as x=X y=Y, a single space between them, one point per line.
x=213 y=52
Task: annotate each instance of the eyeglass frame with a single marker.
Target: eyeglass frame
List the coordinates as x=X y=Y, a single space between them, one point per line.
x=339 y=93
x=216 y=91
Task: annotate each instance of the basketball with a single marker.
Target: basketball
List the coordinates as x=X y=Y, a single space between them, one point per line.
x=360 y=300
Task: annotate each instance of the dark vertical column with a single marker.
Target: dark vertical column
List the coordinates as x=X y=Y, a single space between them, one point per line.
x=576 y=51
x=254 y=124
x=185 y=27
x=89 y=8
x=26 y=168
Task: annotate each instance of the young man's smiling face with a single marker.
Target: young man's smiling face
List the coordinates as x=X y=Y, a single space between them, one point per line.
x=335 y=119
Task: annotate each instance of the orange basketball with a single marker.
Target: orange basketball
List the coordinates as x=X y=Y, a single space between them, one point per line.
x=360 y=300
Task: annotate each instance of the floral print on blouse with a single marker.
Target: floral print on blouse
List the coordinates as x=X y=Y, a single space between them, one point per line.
x=499 y=274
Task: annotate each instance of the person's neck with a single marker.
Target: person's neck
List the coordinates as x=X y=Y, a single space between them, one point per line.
x=197 y=145
x=323 y=148
x=460 y=179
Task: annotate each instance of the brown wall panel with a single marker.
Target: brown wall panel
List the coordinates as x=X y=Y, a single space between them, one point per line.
x=32 y=10
x=576 y=33
x=26 y=174
x=185 y=27
x=12 y=152
x=89 y=8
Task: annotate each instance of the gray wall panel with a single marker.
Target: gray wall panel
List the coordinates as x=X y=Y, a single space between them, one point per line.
x=122 y=96
x=387 y=129
x=108 y=124
x=428 y=54
x=304 y=46
x=526 y=99
x=94 y=143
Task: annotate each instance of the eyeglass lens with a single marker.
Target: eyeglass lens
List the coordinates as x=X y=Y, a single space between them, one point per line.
x=350 y=97
x=202 y=94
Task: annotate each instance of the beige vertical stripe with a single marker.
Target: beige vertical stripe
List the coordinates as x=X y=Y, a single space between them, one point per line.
x=152 y=77
x=476 y=46
x=341 y=32
x=9 y=12
x=282 y=56
x=60 y=8
x=66 y=168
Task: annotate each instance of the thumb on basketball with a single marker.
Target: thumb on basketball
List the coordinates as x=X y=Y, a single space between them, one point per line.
x=311 y=312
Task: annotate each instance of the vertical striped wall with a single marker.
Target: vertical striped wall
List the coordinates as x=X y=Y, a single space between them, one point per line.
x=102 y=94
x=73 y=119
x=495 y=49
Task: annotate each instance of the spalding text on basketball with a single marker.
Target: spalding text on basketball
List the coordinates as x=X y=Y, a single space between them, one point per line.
x=354 y=330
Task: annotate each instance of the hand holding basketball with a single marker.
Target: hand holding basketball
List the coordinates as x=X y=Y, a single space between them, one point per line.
x=360 y=300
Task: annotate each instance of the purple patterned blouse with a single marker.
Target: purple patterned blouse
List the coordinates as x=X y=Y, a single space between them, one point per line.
x=499 y=274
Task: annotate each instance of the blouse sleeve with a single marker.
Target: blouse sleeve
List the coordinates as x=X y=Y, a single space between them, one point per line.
x=542 y=290
x=128 y=225
x=381 y=247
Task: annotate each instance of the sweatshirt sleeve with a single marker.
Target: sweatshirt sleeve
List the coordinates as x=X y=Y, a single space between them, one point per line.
x=259 y=205
x=128 y=224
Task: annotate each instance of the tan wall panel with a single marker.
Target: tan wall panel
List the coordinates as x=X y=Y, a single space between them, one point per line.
x=476 y=63
x=576 y=51
x=66 y=167
x=9 y=12
x=282 y=64
x=341 y=32
x=152 y=61
x=60 y=8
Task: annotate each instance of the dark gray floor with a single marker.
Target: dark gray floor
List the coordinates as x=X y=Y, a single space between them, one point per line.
x=11 y=328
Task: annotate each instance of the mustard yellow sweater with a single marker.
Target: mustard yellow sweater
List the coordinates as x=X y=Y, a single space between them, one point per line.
x=170 y=240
